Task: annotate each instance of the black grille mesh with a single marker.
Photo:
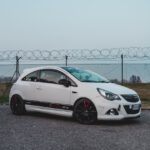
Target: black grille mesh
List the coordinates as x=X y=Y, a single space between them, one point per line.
x=131 y=111
x=131 y=98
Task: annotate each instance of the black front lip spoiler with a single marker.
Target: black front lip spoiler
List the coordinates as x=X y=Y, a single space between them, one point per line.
x=128 y=118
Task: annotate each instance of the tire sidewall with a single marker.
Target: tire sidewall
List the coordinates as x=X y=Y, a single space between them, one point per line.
x=75 y=115
x=21 y=108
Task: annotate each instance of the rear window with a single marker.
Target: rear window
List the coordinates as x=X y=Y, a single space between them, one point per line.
x=31 y=77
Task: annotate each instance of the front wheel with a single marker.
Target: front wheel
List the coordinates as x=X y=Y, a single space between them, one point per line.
x=85 y=112
x=17 y=105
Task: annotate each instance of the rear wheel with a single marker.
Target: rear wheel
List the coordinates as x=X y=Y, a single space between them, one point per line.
x=85 y=112
x=17 y=105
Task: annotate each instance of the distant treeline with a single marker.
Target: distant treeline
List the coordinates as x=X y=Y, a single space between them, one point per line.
x=133 y=79
x=5 y=79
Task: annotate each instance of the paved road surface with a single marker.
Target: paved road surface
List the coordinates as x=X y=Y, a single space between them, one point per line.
x=36 y=131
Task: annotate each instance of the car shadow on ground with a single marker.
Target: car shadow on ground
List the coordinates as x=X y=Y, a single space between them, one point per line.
x=50 y=116
x=99 y=122
x=119 y=122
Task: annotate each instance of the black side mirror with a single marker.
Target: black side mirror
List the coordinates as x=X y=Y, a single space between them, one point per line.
x=64 y=82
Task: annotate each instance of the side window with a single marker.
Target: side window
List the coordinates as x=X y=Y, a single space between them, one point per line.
x=72 y=82
x=31 y=77
x=51 y=76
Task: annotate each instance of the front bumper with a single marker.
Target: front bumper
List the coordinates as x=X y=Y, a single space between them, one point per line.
x=121 y=108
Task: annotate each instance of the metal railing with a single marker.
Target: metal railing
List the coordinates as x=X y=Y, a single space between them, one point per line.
x=131 y=53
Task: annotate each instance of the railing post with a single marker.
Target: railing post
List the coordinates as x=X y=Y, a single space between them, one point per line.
x=122 y=68
x=66 y=57
x=17 y=67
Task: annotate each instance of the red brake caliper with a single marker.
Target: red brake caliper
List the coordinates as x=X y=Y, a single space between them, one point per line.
x=86 y=104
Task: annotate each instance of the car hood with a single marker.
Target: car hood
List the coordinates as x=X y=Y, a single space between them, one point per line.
x=114 y=88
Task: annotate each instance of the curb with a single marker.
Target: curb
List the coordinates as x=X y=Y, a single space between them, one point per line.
x=4 y=104
x=146 y=108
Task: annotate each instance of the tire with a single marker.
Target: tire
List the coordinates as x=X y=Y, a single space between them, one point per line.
x=17 y=105
x=85 y=112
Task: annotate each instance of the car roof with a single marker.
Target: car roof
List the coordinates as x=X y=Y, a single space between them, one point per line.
x=43 y=67
x=47 y=67
x=28 y=70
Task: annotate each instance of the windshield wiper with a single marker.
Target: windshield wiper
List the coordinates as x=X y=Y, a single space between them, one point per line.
x=104 y=81
x=87 y=81
x=95 y=81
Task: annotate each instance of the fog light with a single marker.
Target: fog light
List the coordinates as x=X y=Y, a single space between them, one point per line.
x=112 y=112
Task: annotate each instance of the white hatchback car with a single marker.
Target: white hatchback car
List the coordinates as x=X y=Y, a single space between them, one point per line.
x=70 y=91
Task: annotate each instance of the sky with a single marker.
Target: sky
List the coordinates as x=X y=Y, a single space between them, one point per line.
x=74 y=24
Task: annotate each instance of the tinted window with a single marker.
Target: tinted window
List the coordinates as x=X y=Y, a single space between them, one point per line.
x=51 y=76
x=31 y=77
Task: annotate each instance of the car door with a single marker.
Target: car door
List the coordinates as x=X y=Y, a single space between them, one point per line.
x=49 y=90
x=28 y=86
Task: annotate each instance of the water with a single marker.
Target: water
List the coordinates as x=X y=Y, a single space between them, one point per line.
x=110 y=71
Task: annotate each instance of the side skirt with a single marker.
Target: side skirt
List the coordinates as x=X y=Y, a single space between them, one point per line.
x=45 y=107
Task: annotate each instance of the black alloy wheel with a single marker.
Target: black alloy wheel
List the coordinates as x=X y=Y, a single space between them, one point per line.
x=17 y=105
x=85 y=112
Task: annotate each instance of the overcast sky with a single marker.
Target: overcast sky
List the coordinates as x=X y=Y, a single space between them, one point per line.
x=71 y=24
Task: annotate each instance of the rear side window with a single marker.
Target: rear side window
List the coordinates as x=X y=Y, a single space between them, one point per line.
x=33 y=77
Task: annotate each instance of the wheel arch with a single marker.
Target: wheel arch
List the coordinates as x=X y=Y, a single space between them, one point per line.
x=83 y=119
x=84 y=98
x=17 y=105
x=14 y=94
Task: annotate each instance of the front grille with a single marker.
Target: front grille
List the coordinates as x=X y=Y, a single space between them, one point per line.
x=130 y=97
x=130 y=110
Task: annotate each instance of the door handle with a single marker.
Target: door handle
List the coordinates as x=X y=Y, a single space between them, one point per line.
x=38 y=88
x=74 y=92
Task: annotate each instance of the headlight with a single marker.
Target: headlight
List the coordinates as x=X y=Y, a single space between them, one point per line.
x=108 y=95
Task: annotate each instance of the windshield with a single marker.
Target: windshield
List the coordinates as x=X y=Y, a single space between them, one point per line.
x=85 y=75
